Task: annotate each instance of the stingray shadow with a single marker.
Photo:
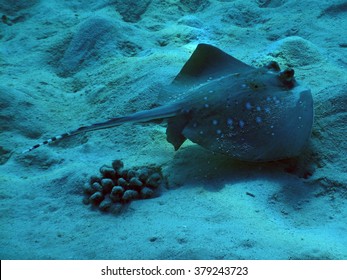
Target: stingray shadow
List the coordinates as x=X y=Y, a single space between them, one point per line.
x=195 y=166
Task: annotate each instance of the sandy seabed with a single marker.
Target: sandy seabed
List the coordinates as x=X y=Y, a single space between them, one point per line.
x=70 y=63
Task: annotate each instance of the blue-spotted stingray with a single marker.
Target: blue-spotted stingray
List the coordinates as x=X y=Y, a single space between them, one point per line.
x=226 y=106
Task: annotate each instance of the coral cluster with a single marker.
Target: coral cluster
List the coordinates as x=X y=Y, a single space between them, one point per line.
x=118 y=186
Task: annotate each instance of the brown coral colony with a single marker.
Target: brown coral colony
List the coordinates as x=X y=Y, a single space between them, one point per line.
x=117 y=186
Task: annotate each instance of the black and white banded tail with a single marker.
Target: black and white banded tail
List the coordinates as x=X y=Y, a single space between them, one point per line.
x=143 y=116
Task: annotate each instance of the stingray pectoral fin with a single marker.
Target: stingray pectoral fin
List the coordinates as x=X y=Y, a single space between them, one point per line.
x=174 y=131
x=206 y=63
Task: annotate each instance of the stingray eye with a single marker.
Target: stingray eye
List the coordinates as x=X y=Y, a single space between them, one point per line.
x=287 y=77
x=273 y=65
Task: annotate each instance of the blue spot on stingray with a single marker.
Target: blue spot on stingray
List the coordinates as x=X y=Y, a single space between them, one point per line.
x=241 y=123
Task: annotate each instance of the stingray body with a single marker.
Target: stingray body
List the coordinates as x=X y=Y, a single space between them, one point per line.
x=229 y=107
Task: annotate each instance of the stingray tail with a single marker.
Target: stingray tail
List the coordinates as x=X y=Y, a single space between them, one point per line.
x=82 y=129
x=143 y=116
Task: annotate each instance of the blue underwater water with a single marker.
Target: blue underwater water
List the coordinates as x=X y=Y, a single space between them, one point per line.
x=131 y=188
